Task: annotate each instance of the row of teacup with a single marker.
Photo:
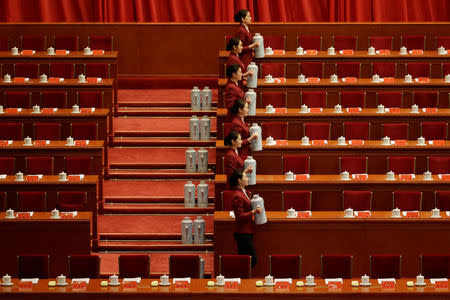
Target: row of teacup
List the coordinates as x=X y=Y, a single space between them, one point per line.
x=36 y=109
x=51 y=51
x=44 y=78
x=62 y=176
x=385 y=141
x=370 y=51
x=346 y=175
x=54 y=214
x=335 y=79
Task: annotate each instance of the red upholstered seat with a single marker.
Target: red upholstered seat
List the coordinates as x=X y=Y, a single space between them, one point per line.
x=348 y=69
x=226 y=129
x=345 y=42
x=434 y=130
x=401 y=164
x=395 y=131
x=66 y=42
x=385 y=266
x=417 y=70
x=84 y=266
x=353 y=164
x=33 y=266
x=295 y=163
x=276 y=42
x=11 y=131
x=274 y=69
x=276 y=99
x=426 y=99
x=7 y=165
x=435 y=265
x=352 y=99
x=317 y=131
x=310 y=42
x=413 y=42
x=298 y=200
x=357 y=200
x=439 y=164
x=39 y=165
x=63 y=70
x=134 y=265
x=78 y=164
x=98 y=70
x=31 y=201
x=381 y=42
x=314 y=99
x=277 y=130
x=443 y=41
x=285 y=266
x=184 y=265
x=84 y=131
x=390 y=99
x=4 y=43
x=29 y=42
x=235 y=266
x=407 y=200
x=54 y=99
x=26 y=70
x=442 y=200
x=311 y=69
x=47 y=131
x=357 y=130
x=101 y=43
x=72 y=201
x=90 y=99
x=445 y=69
x=384 y=69
x=337 y=266
x=18 y=99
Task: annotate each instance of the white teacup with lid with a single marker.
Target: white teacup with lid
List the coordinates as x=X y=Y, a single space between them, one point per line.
x=301 y=78
x=69 y=141
x=62 y=176
x=376 y=78
x=403 y=50
x=50 y=50
x=165 y=279
x=270 y=109
x=300 y=50
x=81 y=78
x=441 y=50
x=435 y=213
x=420 y=280
x=7 y=280
x=334 y=78
x=270 y=140
x=55 y=214
x=414 y=109
x=268 y=51
x=114 y=280
x=87 y=51
x=421 y=141
x=220 y=280
x=427 y=175
x=1 y=109
x=75 y=109
x=61 y=280
x=348 y=213
x=27 y=141
x=291 y=213
x=289 y=175
x=269 y=78
x=386 y=141
x=396 y=213
x=19 y=176
x=305 y=140
x=43 y=78
x=7 y=78
x=304 y=109
x=341 y=141
x=14 y=51
x=310 y=280
x=365 y=280
x=408 y=78
x=380 y=109
x=338 y=108
x=10 y=214
x=36 y=109
x=345 y=175
x=371 y=50
x=390 y=175
x=331 y=51
x=268 y=280
x=447 y=78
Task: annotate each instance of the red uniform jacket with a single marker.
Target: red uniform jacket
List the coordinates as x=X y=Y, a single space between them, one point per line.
x=243 y=212
x=232 y=93
x=233 y=59
x=247 y=39
x=232 y=162
x=237 y=124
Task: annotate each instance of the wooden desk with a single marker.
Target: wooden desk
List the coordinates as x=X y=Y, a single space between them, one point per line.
x=293 y=89
x=247 y=289
x=41 y=235
x=291 y=59
x=62 y=116
x=330 y=233
x=327 y=190
x=325 y=159
x=296 y=119
x=51 y=185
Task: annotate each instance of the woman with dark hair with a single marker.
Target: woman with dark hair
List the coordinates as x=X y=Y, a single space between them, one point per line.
x=235 y=48
x=232 y=160
x=244 y=19
x=238 y=111
x=232 y=90
x=244 y=225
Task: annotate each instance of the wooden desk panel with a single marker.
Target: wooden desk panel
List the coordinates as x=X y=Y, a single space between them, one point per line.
x=41 y=235
x=291 y=59
x=296 y=120
x=327 y=190
x=292 y=88
x=325 y=159
x=331 y=233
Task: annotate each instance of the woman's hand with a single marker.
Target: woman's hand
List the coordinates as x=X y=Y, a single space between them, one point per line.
x=254 y=136
x=254 y=45
x=249 y=169
x=257 y=210
x=249 y=73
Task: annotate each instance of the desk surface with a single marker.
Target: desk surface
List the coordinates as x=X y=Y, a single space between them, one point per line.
x=49 y=180
x=73 y=55
x=54 y=145
x=106 y=82
x=62 y=112
x=84 y=216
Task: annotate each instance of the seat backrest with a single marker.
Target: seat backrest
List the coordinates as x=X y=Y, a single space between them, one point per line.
x=426 y=99
x=348 y=69
x=442 y=200
x=357 y=200
x=33 y=266
x=84 y=131
x=345 y=42
x=36 y=43
x=390 y=99
x=298 y=200
x=296 y=163
x=7 y=165
x=395 y=131
x=47 y=131
x=384 y=69
x=184 y=265
x=310 y=42
x=66 y=42
x=443 y=41
x=434 y=130
x=78 y=164
x=134 y=265
x=385 y=266
x=435 y=265
x=353 y=164
x=314 y=99
x=31 y=201
x=84 y=266
x=276 y=42
x=90 y=99
x=418 y=69
x=54 y=99
x=317 y=131
x=439 y=164
x=276 y=99
x=274 y=69
x=11 y=131
x=357 y=130
x=352 y=99
x=380 y=42
x=18 y=99
x=26 y=70
x=39 y=165
x=285 y=266
x=311 y=69
x=98 y=70
x=72 y=201
x=235 y=266
x=101 y=43
x=413 y=42
x=337 y=266
x=62 y=70
x=401 y=164
x=277 y=130
x=407 y=200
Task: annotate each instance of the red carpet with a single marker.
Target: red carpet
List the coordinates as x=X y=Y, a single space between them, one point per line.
x=158 y=82
x=159 y=98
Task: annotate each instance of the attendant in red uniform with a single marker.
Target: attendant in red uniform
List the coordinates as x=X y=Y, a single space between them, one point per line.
x=232 y=159
x=244 y=18
x=245 y=224
x=235 y=48
x=239 y=111
x=232 y=90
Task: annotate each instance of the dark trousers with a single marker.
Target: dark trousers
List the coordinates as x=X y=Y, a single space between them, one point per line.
x=245 y=245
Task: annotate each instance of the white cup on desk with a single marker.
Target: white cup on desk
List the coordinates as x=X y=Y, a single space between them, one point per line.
x=403 y=50
x=61 y=280
x=6 y=280
x=435 y=213
x=36 y=109
x=331 y=51
x=7 y=78
x=376 y=78
x=75 y=109
x=268 y=51
x=269 y=140
x=334 y=78
x=87 y=51
x=345 y=175
x=43 y=78
x=14 y=51
x=365 y=280
x=114 y=279
x=348 y=213
x=408 y=78
x=220 y=280
x=270 y=109
x=301 y=78
x=165 y=279
x=380 y=109
x=414 y=109
x=1 y=109
x=309 y=280
x=371 y=50
x=62 y=176
x=421 y=141
x=441 y=50
x=268 y=280
x=50 y=51
x=291 y=213
x=396 y=213
x=427 y=175
x=27 y=141
x=289 y=175
x=19 y=176
x=10 y=214
x=341 y=141
x=304 y=109
x=81 y=78
x=55 y=214
x=69 y=141
x=420 y=280
x=300 y=50
x=386 y=141
x=269 y=79
x=305 y=140
x=338 y=108
x=447 y=78
x=390 y=175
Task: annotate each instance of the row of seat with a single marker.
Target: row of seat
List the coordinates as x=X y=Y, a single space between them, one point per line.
x=63 y=42
x=353 y=69
x=336 y=266
x=130 y=266
x=352 y=130
x=50 y=131
x=62 y=70
x=357 y=200
x=315 y=42
x=45 y=165
x=37 y=201
x=53 y=99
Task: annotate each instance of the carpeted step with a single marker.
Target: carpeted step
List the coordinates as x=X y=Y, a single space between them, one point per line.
x=164 y=112
x=129 y=208
x=159 y=174
x=155 y=127
x=161 y=142
x=152 y=246
x=171 y=191
x=147 y=236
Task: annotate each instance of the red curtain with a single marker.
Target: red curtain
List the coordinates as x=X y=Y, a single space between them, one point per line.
x=223 y=10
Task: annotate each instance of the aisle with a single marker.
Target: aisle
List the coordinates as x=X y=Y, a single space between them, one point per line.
x=144 y=194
